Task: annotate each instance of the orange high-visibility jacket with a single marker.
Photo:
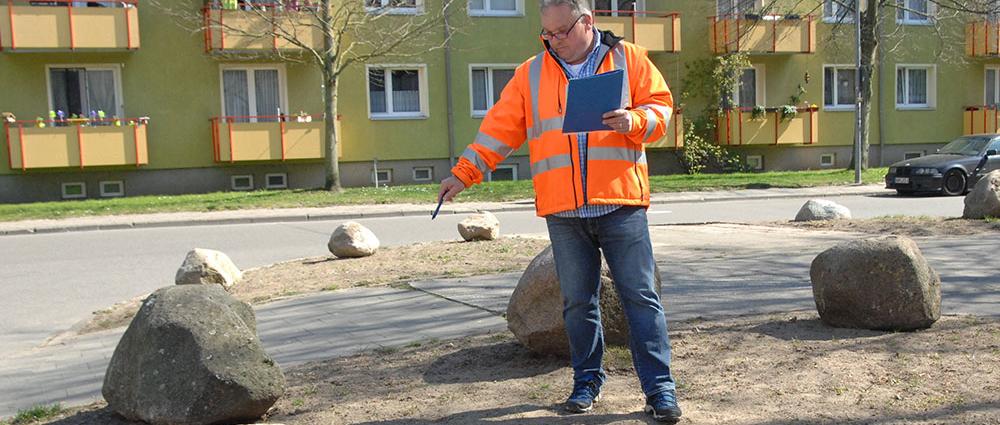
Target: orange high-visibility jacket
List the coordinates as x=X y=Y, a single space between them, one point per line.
x=531 y=110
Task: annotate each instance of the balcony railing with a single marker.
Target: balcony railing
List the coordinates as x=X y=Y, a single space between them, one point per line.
x=981 y=119
x=738 y=126
x=675 y=133
x=68 y=25
x=762 y=33
x=655 y=31
x=257 y=27
x=76 y=143
x=269 y=138
x=982 y=38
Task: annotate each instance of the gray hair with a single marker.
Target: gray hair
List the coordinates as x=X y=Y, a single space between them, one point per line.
x=579 y=7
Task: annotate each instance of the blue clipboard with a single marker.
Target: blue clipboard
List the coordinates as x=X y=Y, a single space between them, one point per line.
x=589 y=98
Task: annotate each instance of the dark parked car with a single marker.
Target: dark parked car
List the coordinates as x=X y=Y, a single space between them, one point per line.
x=951 y=171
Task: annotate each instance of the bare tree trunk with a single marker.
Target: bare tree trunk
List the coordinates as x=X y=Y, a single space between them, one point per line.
x=332 y=171
x=869 y=48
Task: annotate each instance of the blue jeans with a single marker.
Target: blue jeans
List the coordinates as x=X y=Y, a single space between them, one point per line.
x=623 y=236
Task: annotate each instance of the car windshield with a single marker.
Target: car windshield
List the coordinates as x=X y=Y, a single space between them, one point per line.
x=969 y=146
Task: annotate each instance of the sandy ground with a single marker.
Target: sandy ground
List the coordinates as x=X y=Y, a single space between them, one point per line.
x=901 y=225
x=763 y=369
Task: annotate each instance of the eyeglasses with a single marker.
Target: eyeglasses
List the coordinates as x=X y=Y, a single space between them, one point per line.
x=560 y=35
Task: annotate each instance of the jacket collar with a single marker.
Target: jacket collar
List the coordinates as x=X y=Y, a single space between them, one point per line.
x=607 y=39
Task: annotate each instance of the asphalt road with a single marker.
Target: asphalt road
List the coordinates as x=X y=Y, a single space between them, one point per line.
x=55 y=280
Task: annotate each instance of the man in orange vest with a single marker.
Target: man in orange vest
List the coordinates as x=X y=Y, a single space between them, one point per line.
x=591 y=188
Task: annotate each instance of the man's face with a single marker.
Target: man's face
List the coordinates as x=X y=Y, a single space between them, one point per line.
x=560 y=19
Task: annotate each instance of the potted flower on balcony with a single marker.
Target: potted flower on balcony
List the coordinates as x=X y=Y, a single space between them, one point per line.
x=757 y=113
x=788 y=112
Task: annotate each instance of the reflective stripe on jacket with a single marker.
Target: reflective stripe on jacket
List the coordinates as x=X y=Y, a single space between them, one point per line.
x=531 y=108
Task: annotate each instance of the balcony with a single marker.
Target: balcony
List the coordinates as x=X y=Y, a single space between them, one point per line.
x=255 y=29
x=982 y=39
x=759 y=34
x=69 y=25
x=739 y=127
x=981 y=119
x=654 y=31
x=76 y=143
x=675 y=133
x=269 y=138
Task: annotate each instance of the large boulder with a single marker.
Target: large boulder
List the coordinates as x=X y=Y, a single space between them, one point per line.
x=984 y=199
x=351 y=240
x=821 y=209
x=205 y=266
x=535 y=311
x=480 y=227
x=191 y=356
x=881 y=283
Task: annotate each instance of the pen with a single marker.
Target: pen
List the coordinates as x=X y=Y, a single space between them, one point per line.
x=440 y=201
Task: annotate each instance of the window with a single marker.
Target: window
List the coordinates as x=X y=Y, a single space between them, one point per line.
x=838 y=10
x=611 y=7
x=253 y=94
x=423 y=174
x=827 y=159
x=486 y=85
x=737 y=7
x=915 y=86
x=911 y=155
x=276 y=181
x=397 y=92
x=85 y=91
x=384 y=176
x=496 y=7
x=914 y=12
x=504 y=172
x=75 y=190
x=838 y=87
x=991 y=96
x=755 y=162
x=112 y=189
x=403 y=7
x=243 y=182
x=751 y=90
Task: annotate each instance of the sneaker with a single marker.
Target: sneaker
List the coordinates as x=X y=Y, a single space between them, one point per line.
x=583 y=397
x=663 y=407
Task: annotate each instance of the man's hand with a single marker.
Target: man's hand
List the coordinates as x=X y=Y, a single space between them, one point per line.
x=619 y=120
x=450 y=187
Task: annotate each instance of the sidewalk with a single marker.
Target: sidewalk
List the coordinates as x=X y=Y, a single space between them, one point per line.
x=708 y=271
x=351 y=212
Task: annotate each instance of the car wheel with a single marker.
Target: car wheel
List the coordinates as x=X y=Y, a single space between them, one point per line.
x=953 y=183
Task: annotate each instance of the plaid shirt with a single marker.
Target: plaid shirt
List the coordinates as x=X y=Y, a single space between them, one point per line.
x=589 y=68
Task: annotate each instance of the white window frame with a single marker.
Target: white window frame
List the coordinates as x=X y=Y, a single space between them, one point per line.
x=759 y=159
x=424 y=112
x=109 y=194
x=388 y=172
x=232 y=182
x=430 y=174
x=489 y=85
x=835 y=10
x=284 y=181
x=759 y=87
x=996 y=83
x=836 y=107
x=487 y=11
x=733 y=4
x=252 y=85
x=512 y=167
x=824 y=163
x=912 y=155
x=640 y=6
x=931 y=87
x=908 y=15
x=114 y=68
x=81 y=195
x=418 y=9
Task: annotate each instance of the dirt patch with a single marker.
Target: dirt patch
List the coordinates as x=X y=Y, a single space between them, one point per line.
x=762 y=369
x=388 y=266
x=901 y=225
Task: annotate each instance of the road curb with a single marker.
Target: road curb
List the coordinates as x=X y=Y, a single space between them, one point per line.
x=459 y=209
